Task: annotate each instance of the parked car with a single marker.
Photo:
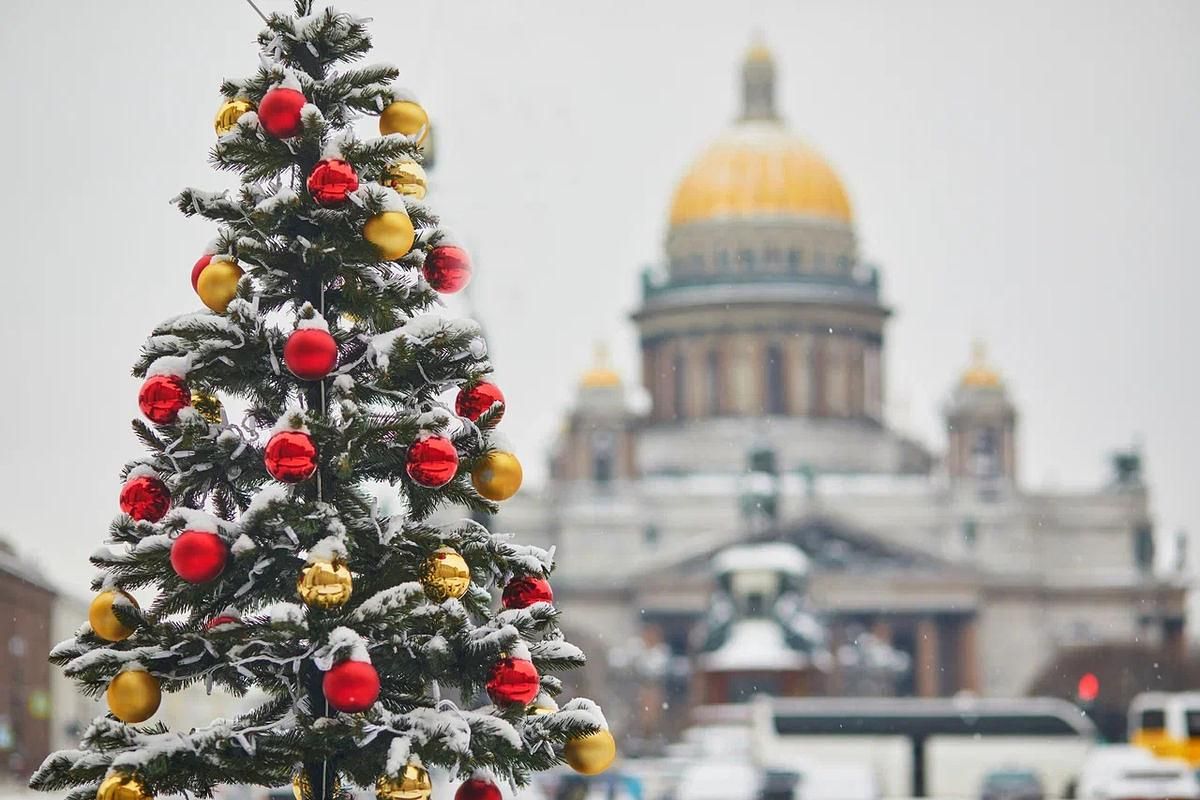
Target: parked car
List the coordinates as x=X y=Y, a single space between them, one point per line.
x=1012 y=784
x=1127 y=772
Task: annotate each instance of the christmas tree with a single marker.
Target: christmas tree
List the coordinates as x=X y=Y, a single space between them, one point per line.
x=372 y=638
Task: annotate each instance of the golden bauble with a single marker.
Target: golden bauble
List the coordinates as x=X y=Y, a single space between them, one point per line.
x=407 y=117
x=325 y=584
x=229 y=113
x=406 y=177
x=445 y=575
x=102 y=619
x=301 y=789
x=207 y=406
x=591 y=754
x=392 y=232
x=498 y=476
x=217 y=284
x=134 y=695
x=412 y=784
x=122 y=786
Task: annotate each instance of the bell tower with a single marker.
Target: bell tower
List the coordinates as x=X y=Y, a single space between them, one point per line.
x=981 y=425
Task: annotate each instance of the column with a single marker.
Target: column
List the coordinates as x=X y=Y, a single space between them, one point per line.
x=927 y=669
x=968 y=657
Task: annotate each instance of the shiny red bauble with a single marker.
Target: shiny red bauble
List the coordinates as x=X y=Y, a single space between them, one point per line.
x=279 y=112
x=310 y=353
x=472 y=402
x=478 y=789
x=291 y=456
x=199 y=266
x=331 y=180
x=351 y=686
x=447 y=268
x=524 y=592
x=513 y=680
x=162 y=397
x=145 y=498
x=432 y=461
x=198 y=556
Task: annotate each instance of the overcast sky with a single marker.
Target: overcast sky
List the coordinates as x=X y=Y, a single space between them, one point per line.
x=1024 y=172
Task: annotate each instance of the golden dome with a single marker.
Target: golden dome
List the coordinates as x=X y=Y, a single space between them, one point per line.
x=601 y=375
x=759 y=52
x=980 y=374
x=759 y=169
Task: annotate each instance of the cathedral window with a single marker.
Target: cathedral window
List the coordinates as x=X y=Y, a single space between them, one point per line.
x=746 y=261
x=776 y=387
x=602 y=457
x=985 y=453
x=650 y=535
x=795 y=261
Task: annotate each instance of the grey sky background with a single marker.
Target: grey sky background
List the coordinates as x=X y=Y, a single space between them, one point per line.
x=1024 y=172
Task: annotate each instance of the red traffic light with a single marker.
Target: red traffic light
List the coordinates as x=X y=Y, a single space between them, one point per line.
x=1088 y=688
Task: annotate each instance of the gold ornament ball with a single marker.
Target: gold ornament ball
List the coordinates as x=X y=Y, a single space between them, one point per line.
x=102 y=619
x=412 y=784
x=446 y=575
x=229 y=113
x=207 y=406
x=591 y=754
x=406 y=177
x=498 y=476
x=407 y=117
x=122 y=786
x=325 y=584
x=134 y=695
x=217 y=284
x=391 y=231
x=301 y=789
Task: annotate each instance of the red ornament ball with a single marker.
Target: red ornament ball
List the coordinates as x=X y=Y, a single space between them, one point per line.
x=447 y=268
x=478 y=789
x=331 y=180
x=279 y=112
x=432 y=461
x=310 y=353
x=351 y=686
x=198 y=556
x=472 y=402
x=198 y=267
x=513 y=680
x=524 y=592
x=162 y=397
x=291 y=456
x=145 y=498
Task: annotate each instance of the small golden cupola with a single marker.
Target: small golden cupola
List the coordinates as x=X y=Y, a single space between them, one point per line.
x=980 y=374
x=601 y=375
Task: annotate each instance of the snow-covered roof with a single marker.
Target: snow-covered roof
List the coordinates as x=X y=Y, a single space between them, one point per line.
x=774 y=556
x=754 y=644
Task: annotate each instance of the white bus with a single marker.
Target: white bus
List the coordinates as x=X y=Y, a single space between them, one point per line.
x=921 y=747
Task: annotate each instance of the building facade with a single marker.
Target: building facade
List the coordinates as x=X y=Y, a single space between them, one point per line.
x=763 y=343
x=26 y=603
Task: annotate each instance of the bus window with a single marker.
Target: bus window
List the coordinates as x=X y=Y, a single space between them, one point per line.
x=1154 y=719
x=1193 y=724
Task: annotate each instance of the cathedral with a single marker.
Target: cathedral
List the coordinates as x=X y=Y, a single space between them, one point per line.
x=760 y=528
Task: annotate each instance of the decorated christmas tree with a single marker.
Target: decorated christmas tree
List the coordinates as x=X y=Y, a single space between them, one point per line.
x=370 y=645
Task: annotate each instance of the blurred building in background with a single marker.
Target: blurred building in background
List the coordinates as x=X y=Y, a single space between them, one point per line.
x=762 y=529
x=26 y=603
